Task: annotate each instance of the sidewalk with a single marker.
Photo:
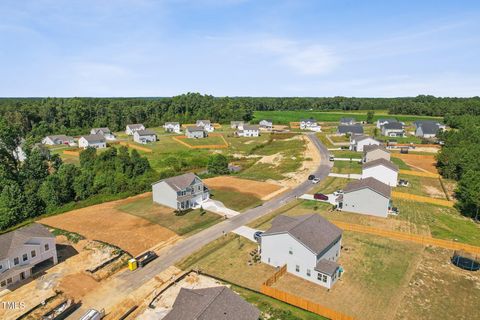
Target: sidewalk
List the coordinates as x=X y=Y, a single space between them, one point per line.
x=346 y=175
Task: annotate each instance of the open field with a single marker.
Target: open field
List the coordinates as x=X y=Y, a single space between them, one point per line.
x=418 y=162
x=213 y=141
x=106 y=223
x=262 y=190
x=347 y=167
x=285 y=117
x=235 y=200
x=183 y=225
x=422 y=186
x=422 y=199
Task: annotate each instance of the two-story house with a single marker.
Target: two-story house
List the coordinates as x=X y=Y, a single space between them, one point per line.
x=249 y=131
x=25 y=251
x=381 y=169
x=93 y=141
x=347 y=121
x=359 y=141
x=266 y=124
x=206 y=125
x=172 y=127
x=132 y=128
x=310 y=124
x=393 y=129
x=58 y=139
x=180 y=192
x=309 y=245
x=194 y=132
x=104 y=132
x=144 y=136
x=237 y=125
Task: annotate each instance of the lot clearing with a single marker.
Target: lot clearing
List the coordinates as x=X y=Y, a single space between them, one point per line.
x=106 y=223
x=262 y=190
x=425 y=163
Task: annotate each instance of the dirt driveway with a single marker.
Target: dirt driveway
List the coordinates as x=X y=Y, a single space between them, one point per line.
x=106 y=223
x=262 y=190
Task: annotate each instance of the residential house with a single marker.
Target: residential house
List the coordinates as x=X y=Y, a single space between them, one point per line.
x=350 y=129
x=172 y=127
x=375 y=152
x=215 y=303
x=104 y=132
x=131 y=128
x=427 y=128
x=181 y=192
x=383 y=170
x=196 y=132
x=266 y=124
x=358 y=142
x=309 y=245
x=249 y=131
x=393 y=129
x=93 y=140
x=347 y=121
x=144 y=136
x=58 y=139
x=206 y=125
x=237 y=125
x=367 y=196
x=381 y=122
x=24 y=252
x=310 y=124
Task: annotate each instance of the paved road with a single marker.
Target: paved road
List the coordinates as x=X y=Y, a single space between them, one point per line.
x=129 y=281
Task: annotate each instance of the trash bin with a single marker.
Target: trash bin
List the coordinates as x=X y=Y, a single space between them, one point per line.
x=132 y=264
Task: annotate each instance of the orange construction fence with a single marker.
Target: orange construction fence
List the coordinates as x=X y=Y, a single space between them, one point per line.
x=416 y=198
x=396 y=235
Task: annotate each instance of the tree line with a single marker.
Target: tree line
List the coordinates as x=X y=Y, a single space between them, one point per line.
x=42 y=183
x=459 y=160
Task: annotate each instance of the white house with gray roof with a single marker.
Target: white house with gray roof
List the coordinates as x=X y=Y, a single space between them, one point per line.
x=347 y=121
x=172 y=127
x=382 y=170
x=180 y=192
x=349 y=129
x=132 y=128
x=427 y=128
x=367 y=196
x=310 y=124
x=249 y=131
x=309 y=245
x=266 y=124
x=144 y=136
x=393 y=129
x=96 y=141
x=358 y=142
x=104 y=132
x=375 y=152
x=237 y=125
x=215 y=303
x=206 y=125
x=195 y=132
x=381 y=122
x=58 y=139
x=24 y=252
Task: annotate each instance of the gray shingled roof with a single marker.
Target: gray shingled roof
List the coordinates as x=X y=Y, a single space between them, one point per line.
x=312 y=230
x=251 y=127
x=371 y=183
x=104 y=130
x=393 y=126
x=217 y=303
x=429 y=127
x=379 y=162
x=308 y=120
x=418 y=123
x=354 y=128
x=327 y=267
x=372 y=147
x=347 y=120
x=60 y=137
x=11 y=241
x=195 y=128
x=135 y=126
x=387 y=120
x=94 y=138
x=179 y=182
x=172 y=123
x=146 y=132
x=203 y=121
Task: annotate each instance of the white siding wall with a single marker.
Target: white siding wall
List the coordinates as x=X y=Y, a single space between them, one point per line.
x=139 y=139
x=381 y=173
x=366 y=201
x=366 y=142
x=163 y=194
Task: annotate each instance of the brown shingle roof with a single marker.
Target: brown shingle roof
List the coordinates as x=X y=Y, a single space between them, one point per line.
x=11 y=241
x=379 y=162
x=312 y=230
x=217 y=303
x=370 y=183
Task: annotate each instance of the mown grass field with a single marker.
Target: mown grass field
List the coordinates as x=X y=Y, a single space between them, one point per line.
x=347 y=167
x=210 y=140
x=234 y=200
x=187 y=224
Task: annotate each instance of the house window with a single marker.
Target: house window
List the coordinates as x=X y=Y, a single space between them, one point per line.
x=290 y=251
x=25 y=257
x=319 y=276
x=268 y=260
x=297 y=268
x=15 y=261
x=46 y=247
x=9 y=280
x=308 y=272
x=3 y=283
x=324 y=278
x=33 y=253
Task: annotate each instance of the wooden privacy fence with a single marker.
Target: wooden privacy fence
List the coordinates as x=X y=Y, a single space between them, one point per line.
x=134 y=146
x=419 y=173
x=396 y=235
x=416 y=198
x=297 y=301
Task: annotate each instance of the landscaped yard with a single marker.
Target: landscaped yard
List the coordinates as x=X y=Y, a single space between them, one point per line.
x=347 y=167
x=187 y=224
x=422 y=186
x=235 y=200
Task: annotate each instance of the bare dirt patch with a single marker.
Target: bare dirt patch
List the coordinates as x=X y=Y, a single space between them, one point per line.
x=433 y=192
x=262 y=190
x=273 y=159
x=419 y=162
x=106 y=223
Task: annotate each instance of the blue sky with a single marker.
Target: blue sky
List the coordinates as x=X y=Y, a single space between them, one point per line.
x=239 y=48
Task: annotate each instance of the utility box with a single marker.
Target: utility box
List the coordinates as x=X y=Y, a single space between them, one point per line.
x=132 y=264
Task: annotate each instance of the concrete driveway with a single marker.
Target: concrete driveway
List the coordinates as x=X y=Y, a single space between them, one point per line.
x=246 y=232
x=219 y=208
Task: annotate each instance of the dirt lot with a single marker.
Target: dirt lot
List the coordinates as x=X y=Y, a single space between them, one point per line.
x=106 y=223
x=424 y=163
x=262 y=190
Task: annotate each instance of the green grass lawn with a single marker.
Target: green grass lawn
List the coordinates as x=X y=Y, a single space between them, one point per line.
x=187 y=224
x=210 y=140
x=235 y=200
x=347 y=154
x=285 y=117
x=347 y=167
x=400 y=163
x=422 y=186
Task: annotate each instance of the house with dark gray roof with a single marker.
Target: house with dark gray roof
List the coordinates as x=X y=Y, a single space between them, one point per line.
x=427 y=128
x=205 y=124
x=104 y=132
x=194 y=132
x=216 y=303
x=97 y=141
x=144 y=136
x=181 y=192
x=393 y=129
x=131 y=128
x=24 y=252
x=381 y=169
x=308 y=245
x=381 y=122
x=310 y=124
x=58 y=139
x=347 y=121
x=367 y=196
x=350 y=129
x=249 y=130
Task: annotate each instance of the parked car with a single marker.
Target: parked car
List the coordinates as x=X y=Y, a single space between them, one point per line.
x=316 y=180
x=320 y=196
x=337 y=193
x=394 y=211
x=93 y=314
x=146 y=258
x=311 y=177
x=403 y=183
x=331 y=157
x=257 y=235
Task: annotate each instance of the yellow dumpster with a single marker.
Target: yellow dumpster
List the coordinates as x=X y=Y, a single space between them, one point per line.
x=132 y=264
